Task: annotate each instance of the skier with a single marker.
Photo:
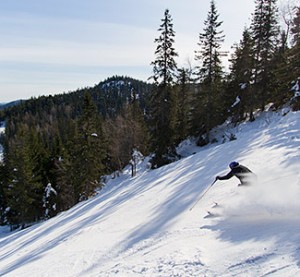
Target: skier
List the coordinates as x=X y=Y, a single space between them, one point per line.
x=244 y=174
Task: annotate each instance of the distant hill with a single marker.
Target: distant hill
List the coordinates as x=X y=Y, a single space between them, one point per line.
x=109 y=95
x=9 y=104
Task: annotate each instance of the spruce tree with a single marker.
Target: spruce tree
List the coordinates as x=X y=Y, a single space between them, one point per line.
x=295 y=30
x=210 y=69
x=293 y=55
x=264 y=31
x=164 y=98
x=184 y=104
x=281 y=85
x=241 y=77
x=62 y=173
x=89 y=151
x=23 y=187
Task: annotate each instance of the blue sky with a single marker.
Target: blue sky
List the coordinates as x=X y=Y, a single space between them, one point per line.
x=56 y=46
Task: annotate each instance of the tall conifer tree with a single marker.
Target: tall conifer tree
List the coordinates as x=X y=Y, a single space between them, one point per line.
x=241 y=75
x=22 y=190
x=210 y=69
x=264 y=31
x=295 y=30
x=164 y=97
x=294 y=56
x=184 y=104
x=89 y=151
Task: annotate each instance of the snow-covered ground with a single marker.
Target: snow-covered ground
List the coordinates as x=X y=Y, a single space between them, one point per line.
x=144 y=226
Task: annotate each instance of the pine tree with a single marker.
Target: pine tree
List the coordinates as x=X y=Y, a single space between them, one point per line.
x=62 y=172
x=184 y=104
x=210 y=71
x=40 y=159
x=295 y=30
x=287 y=60
x=294 y=53
x=89 y=151
x=241 y=76
x=164 y=98
x=281 y=83
x=22 y=190
x=294 y=57
x=264 y=31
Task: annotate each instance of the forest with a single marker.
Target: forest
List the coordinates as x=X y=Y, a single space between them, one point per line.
x=57 y=149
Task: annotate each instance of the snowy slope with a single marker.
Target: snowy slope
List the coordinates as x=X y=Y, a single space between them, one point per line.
x=143 y=226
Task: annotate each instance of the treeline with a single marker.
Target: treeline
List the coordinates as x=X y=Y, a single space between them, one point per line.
x=57 y=148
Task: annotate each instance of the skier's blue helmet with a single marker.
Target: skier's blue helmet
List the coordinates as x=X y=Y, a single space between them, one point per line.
x=233 y=164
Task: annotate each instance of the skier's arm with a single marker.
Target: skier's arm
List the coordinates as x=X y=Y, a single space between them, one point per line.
x=225 y=177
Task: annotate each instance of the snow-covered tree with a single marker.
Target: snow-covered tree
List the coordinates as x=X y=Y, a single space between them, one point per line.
x=49 y=201
x=136 y=157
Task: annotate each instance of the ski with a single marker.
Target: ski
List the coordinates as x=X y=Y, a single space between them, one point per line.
x=211 y=215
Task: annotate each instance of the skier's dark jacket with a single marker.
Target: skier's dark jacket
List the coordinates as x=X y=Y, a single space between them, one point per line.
x=241 y=172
